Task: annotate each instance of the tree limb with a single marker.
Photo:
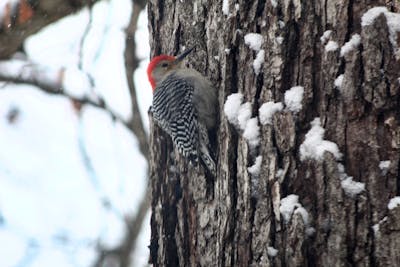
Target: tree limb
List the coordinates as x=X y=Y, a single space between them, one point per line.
x=28 y=17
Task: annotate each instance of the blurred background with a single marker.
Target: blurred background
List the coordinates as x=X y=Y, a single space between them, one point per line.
x=73 y=173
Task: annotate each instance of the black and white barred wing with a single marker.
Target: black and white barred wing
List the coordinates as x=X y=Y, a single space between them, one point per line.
x=173 y=111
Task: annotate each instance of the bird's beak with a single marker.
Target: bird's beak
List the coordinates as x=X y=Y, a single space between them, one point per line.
x=183 y=55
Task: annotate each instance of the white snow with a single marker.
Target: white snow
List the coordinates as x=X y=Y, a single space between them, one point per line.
x=338 y=81
x=325 y=37
x=237 y=7
x=254 y=41
x=258 y=61
x=267 y=111
x=244 y=115
x=369 y=16
x=279 y=173
x=252 y=133
x=331 y=46
x=272 y=252
x=352 y=44
x=351 y=187
x=225 y=7
x=288 y=204
x=75 y=82
x=384 y=166
x=274 y=3
x=279 y=40
x=293 y=98
x=314 y=146
x=376 y=227
x=393 y=23
x=394 y=202
x=232 y=106
x=304 y=214
x=254 y=170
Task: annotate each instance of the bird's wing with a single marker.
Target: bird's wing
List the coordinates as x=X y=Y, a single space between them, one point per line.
x=174 y=112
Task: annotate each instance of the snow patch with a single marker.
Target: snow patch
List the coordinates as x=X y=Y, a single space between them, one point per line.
x=232 y=106
x=384 y=166
x=352 y=44
x=331 y=46
x=369 y=16
x=394 y=202
x=314 y=146
x=288 y=204
x=304 y=214
x=392 y=20
x=244 y=115
x=267 y=110
x=272 y=252
x=338 y=81
x=376 y=227
x=225 y=7
x=351 y=187
x=258 y=61
x=279 y=39
x=254 y=170
x=254 y=41
x=293 y=98
x=252 y=132
x=274 y=3
x=325 y=37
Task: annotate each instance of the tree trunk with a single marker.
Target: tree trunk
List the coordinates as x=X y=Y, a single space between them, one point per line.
x=241 y=217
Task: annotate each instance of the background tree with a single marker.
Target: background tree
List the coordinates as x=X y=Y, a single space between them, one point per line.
x=73 y=168
x=311 y=177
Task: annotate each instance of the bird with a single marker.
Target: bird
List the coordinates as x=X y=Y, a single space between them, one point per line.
x=184 y=106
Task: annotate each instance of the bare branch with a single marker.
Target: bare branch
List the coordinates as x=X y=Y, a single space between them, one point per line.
x=35 y=75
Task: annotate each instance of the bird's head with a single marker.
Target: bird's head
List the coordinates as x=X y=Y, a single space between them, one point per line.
x=161 y=65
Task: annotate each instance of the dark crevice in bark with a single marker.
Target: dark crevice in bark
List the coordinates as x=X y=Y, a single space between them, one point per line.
x=234 y=69
x=290 y=54
x=233 y=215
x=186 y=233
x=170 y=215
x=259 y=86
x=398 y=178
x=177 y=39
x=351 y=243
x=349 y=20
x=253 y=204
x=372 y=256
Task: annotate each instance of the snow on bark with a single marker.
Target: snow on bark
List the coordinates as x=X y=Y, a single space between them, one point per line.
x=394 y=202
x=331 y=46
x=314 y=146
x=293 y=98
x=254 y=41
x=352 y=44
x=267 y=111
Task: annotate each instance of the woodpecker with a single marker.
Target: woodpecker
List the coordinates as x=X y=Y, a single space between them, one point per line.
x=184 y=106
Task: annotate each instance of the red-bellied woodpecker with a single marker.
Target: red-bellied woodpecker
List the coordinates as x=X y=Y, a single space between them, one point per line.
x=184 y=106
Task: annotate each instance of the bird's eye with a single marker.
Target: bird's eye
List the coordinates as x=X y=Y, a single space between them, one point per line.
x=164 y=65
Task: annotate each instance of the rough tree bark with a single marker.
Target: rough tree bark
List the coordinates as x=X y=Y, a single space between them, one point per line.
x=233 y=220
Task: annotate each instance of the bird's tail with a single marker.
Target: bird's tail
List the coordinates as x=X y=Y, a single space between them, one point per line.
x=205 y=154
